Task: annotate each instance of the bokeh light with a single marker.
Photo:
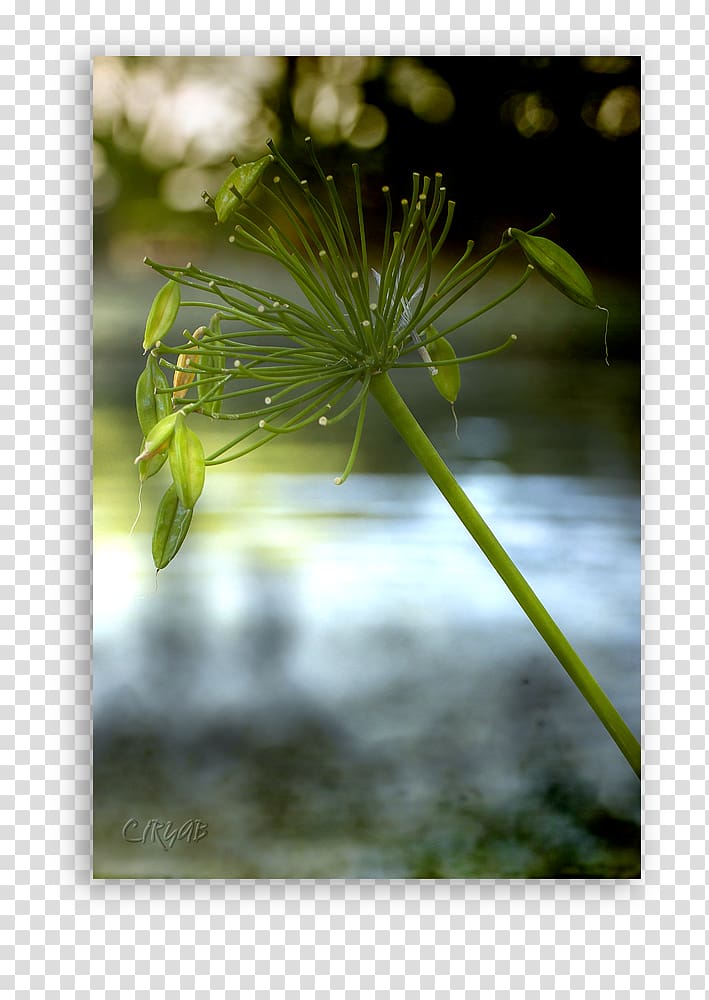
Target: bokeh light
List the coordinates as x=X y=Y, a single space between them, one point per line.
x=616 y=115
x=531 y=114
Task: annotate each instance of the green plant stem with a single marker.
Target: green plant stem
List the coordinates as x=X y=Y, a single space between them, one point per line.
x=383 y=390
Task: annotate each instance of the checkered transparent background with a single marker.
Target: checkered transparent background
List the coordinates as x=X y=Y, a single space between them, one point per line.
x=64 y=933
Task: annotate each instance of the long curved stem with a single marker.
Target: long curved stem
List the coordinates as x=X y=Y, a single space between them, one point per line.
x=383 y=390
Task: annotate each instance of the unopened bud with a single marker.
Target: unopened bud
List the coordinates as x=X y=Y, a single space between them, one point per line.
x=162 y=314
x=186 y=456
x=557 y=266
x=238 y=186
x=159 y=437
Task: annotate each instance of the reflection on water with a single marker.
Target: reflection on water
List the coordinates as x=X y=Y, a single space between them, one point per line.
x=336 y=681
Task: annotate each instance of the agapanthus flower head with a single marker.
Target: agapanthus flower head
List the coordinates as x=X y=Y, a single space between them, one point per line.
x=278 y=364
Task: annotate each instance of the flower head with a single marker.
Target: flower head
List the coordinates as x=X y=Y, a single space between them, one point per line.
x=277 y=364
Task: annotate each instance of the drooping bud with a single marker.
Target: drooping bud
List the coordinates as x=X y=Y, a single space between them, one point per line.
x=557 y=266
x=172 y=523
x=159 y=437
x=447 y=377
x=186 y=456
x=162 y=314
x=149 y=467
x=151 y=405
x=242 y=179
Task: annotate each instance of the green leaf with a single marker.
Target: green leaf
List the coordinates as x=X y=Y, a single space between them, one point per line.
x=172 y=523
x=244 y=179
x=558 y=267
x=162 y=314
x=447 y=381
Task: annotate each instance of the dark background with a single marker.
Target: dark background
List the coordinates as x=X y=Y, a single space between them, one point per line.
x=518 y=138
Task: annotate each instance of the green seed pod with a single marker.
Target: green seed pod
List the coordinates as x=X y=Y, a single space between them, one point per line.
x=244 y=179
x=159 y=437
x=162 y=314
x=172 y=523
x=557 y=266
x=447 y=379
x=150 y=405
x=186 y=456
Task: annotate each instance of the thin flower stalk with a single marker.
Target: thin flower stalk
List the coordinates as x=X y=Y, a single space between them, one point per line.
x=280 y=364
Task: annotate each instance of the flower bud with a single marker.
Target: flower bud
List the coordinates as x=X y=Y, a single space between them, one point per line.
x=151 y=406
x=172 y=523
x=447 y=377
x=149 y=467
x=181 y=380
x=558 y=267
x=186 y=456
x=243 y=179
x=159 y=437
x=162 y=314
